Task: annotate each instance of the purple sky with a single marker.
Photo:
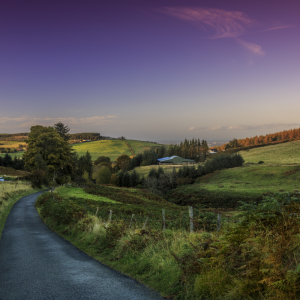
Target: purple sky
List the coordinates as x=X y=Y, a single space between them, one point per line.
x=151 y=70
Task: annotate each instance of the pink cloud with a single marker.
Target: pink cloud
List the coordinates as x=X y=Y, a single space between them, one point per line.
x=224 y=23
x=278 y=27
x=253 y=48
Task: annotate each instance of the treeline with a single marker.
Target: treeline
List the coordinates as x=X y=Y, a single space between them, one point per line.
x=281 y=136
x=191 y=149
x=16 y=163
x=93 y=136
x=158 y=181
x=13 y=136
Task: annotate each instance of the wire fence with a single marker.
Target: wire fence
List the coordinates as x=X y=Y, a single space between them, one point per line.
x=189 y=219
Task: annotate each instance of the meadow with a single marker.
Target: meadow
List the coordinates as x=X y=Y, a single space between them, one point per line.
x=286 y=153
x=4 y=171
x=224 y=188
x=111 y=148
x=144 y=170
x=17 y=154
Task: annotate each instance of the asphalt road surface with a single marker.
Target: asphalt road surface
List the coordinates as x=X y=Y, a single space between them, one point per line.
x=36 y=263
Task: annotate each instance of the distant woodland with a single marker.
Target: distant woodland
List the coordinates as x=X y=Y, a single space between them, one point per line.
x=271 y=138
x=18 y=137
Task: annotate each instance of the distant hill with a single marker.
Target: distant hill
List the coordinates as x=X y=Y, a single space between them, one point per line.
x=263 y=140
x=112 y=148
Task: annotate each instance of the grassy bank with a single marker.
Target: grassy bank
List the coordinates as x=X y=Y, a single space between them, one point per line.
x=255 y=258
x=10 y=193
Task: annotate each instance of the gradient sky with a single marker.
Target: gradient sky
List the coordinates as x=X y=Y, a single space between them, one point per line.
x=152 y=70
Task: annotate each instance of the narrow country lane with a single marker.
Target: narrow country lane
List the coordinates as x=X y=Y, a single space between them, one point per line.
x=36 y=263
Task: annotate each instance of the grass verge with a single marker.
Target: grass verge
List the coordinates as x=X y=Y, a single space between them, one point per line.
x=10 y=193
x=257 y=257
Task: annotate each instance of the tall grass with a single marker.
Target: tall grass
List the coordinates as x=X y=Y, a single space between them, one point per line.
x=255 y=257
x=10 y=193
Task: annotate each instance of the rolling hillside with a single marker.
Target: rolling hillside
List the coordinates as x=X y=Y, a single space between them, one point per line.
x=111 y=148
x=287 y=153
x=280 y=172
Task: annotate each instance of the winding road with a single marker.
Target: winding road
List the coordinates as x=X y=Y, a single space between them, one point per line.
x=36 y=263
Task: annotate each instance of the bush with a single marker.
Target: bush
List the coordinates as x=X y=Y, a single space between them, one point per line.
x=80 y=180
x=183 y=181
x=104 y=176
x=38 y=178
x=114 y=179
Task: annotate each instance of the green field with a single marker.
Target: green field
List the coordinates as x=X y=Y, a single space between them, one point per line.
x=80 y=193
x=144 y=170
x=17 y=154
x=111 y=148
x=287 y=153
x=226 y=187
x=11 y=143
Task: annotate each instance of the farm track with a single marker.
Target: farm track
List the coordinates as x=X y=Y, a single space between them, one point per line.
x=37 y=263
x=130 y=149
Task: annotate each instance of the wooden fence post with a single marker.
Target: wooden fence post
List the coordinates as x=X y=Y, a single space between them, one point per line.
x=164 y=219
x=145 y=224
x=110 y=214
x=219 y=222
x=97 y=211
x=131 y=220
x=191 y=218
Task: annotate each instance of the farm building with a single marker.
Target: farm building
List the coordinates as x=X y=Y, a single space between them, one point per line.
x=213 y=151
x=175 y=160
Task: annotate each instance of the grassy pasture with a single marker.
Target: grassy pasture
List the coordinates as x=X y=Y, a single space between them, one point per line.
x=144 y=170
x=12 y=172
x=242 y=183
x=17 y=154
x=11 y=144
x=80 y=193
x=287 y=153
x=111 y=148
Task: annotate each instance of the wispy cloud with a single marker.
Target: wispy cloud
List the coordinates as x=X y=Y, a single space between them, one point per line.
x=278 y=27
x=220 y=23
x=223 y=23
x=281 y=126
x=252 y=48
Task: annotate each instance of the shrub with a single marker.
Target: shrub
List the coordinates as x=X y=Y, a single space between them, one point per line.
x=183 y=181
x=104 y=176
x=38 y=178
x=114 y=179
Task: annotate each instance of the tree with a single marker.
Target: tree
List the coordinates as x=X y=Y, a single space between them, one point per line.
x=104 y=176
x=62 y=130
x=54 y=150
x=123 y=162
x=7 y=161
x=101 y=159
